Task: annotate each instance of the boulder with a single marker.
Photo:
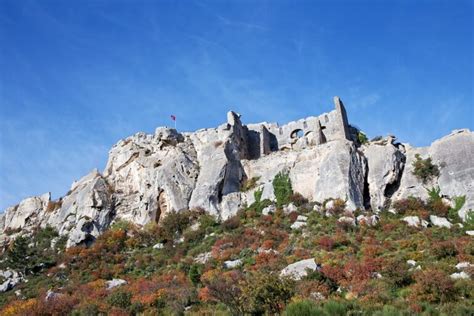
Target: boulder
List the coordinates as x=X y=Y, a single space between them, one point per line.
x=115 y=283
x=347 y=220
x=464 y=265
x=302 y=218
x=460 y=275
x=440 y=221
x=298 y=225
x=290 y=208
x=231 y=264
x=298 y=270
x=159 y=246
x=414 y=221
x=10 y=279
x=269 y=210
x=51 y=295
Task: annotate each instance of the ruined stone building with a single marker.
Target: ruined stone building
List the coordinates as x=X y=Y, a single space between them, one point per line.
x=263 y=138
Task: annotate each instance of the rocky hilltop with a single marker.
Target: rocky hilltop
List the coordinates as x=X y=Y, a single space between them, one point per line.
x=148 y=175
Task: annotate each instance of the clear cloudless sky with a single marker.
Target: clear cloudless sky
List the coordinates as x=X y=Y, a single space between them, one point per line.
x=76 y=76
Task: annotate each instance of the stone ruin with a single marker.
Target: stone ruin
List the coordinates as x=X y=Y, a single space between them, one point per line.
x=263 y=138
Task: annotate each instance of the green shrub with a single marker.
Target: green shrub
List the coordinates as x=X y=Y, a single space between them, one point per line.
x=121 y=225
x=388 y=310
x=259 y=205
x=469 y=221
x=208 y=223
x=194 y=273
x=303 y=308
x=136 y=308
x=87 y=310
x=362 y=138
x=424 y=169
x=335 y=308
x=282 y=188
x=434 y=194
x=173 y=224
x=459 y=202
x=120 y=299
x=266 y=293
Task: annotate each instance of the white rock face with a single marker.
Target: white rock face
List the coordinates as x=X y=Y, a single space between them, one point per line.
x=333 y=170
x=86 y=211
x=385 y=164
x=27 y=214
x=413 y=221
x=440 y=221
x=151 y=175
x=298 y=270
x=456 y=173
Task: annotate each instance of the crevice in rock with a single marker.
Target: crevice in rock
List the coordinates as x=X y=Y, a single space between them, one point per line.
x=366 y=193
x=391 y=188
x=132 y=158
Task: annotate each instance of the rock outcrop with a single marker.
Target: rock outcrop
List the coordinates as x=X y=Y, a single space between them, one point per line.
x=385 y=167
x=149 y=175
x=299 y=269
x=453 y=153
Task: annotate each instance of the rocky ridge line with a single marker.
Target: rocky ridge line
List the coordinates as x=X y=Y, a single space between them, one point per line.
x=148 y=175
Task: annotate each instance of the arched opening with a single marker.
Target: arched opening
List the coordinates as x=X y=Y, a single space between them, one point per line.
x=297 y=133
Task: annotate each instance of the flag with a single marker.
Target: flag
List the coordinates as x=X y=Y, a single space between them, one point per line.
x=173 y=117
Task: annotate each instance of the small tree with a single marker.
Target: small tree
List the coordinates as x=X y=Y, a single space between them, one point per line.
x=267 y=292
x=362 y=138
x=17 y=255
x=195 y=274
x=282 y=188
x=424 y=169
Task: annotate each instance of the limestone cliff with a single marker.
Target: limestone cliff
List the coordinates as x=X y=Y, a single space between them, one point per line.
x=148 y=175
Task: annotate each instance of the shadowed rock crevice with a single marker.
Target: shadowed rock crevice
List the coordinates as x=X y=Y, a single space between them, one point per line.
x=367 y=204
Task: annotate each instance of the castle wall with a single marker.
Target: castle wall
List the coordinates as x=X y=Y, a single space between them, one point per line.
x=266 y=137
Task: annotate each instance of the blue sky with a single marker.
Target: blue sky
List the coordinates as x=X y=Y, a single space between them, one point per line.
x=76 y=76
